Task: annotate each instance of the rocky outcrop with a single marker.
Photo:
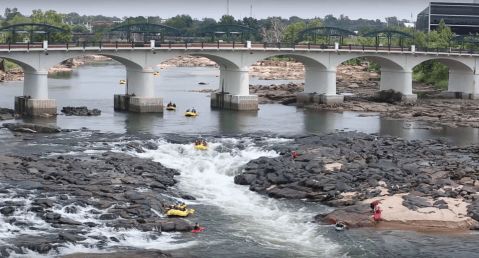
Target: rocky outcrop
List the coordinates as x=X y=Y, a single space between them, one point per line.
x=31 y=128
x=8 y=114
x=80 y=111
x=349 y=168
x=111 y=183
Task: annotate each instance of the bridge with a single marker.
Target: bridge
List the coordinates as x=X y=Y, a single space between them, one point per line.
x=234 y=59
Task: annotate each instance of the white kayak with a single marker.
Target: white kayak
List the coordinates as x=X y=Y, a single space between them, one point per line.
x=339 y=228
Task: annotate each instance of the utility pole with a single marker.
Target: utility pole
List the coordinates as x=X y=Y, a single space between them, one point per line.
x=251 y=11
x=228 y=7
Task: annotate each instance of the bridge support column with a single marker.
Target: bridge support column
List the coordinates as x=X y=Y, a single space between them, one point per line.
x=139 y=95
x=399 y=81
x=234 y=91
x=464 y=85
x=35 y=99
x=320 y=87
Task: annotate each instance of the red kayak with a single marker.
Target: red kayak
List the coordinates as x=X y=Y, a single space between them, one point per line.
x=377 y=214
x=197 y=230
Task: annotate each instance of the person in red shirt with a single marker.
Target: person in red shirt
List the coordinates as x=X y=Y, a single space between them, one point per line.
x=374 y=204
x=294 y=155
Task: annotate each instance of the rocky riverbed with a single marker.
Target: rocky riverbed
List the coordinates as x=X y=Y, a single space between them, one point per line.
x=427 y=184
x=113 y=191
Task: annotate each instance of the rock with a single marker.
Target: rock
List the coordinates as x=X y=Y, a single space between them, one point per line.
x=132 y=195
x=80 y=111
x=71 y=237
x=108 y=216
x=354 y=216
x=68 y=221
x=44 y=202
x=353 y=85
x=32 y=128
x=7 y=211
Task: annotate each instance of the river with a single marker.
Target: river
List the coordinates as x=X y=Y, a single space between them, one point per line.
x=238 y=222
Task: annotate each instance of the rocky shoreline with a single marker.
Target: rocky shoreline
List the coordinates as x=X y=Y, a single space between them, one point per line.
x=121 y=191
x=422 y=184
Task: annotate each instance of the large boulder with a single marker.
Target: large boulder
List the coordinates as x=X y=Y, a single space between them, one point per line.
x=354 y=216
x=80 y=111
x=32 y=128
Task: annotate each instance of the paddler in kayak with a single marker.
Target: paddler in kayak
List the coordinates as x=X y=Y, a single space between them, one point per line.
x=196 y=227
x=340 y=225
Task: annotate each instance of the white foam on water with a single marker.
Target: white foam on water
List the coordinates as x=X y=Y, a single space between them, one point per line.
x=208 y=175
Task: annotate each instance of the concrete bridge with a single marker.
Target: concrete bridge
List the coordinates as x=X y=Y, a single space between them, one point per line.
x=234 y=60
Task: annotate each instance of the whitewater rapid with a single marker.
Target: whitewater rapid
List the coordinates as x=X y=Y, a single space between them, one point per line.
x=208 y=176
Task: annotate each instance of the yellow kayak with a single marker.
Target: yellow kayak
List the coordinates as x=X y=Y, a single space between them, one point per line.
x=156 y=73
x=201 y=147
x=122 y=81
x=190 y=114
x=170 y=108
x=180 y=213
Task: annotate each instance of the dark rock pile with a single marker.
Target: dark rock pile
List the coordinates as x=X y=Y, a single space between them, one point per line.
x=431 y=168
x=110 y=183
x=80 y=111
x=8 y=114
x=31 y=128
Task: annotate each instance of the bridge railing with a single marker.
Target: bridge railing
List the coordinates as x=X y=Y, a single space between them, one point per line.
x=99 y=45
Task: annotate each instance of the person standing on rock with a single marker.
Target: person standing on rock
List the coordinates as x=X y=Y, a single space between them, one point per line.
x=294 y=155
x=374 y=204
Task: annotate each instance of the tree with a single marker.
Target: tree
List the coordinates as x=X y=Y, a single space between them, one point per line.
x=10 y=13
x=290 y=33
x=227 y=19
x=182 y=22
x=53 y=18
x=273 y=33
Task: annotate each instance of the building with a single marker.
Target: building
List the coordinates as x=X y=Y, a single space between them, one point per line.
x=462 y=18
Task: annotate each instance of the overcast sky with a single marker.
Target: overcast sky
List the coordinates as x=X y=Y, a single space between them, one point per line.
x=367 y=9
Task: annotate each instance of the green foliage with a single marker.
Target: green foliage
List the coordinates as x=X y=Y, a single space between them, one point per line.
x=53 y=18
x=184 y=23
x=9 y=64
x=374 y=67
x=432 y=72
x=290 y=33
x=79 y=29
x=227 y=19
x=354 y=61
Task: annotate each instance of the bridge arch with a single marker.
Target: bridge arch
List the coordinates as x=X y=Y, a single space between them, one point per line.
x=26 y=67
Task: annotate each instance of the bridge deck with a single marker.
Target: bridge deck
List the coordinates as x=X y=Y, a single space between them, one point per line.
x=99 y=46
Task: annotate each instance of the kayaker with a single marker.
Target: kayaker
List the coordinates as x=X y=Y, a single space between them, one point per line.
x=374 y=204
x=169 y=104
x=174 y=105
x=339 y=224
x=196 y=227
x=187 y=110
x=193 y=110
x=203 y=142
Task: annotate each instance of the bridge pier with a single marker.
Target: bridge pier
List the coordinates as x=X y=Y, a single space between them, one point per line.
x=319 y=87
x=234 y=91
x=464 y=85
x=399 y=81
x=139 y=95
x=35 y=99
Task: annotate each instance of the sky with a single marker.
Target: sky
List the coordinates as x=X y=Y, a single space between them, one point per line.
x=355 y=9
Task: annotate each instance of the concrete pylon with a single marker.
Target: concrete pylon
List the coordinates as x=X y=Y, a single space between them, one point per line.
x=462 y=84
x=319 y=87
x=35 y=99
x=234 y=91
x=399 y=81
x=139 y=94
